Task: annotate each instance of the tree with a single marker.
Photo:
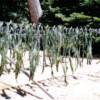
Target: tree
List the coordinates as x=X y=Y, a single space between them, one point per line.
x=72 y=12
x=67 y=12
x=16 y=10
x=35 y=10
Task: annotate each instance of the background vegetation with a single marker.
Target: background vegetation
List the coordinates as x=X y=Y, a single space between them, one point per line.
x=68 y=12
x=71 y=13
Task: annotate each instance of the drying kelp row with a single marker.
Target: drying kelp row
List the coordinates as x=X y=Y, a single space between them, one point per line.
x=60 y=42
x=57 y=42
x=17 y=39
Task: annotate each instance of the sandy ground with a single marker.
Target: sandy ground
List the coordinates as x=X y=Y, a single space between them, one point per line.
x=85 y=87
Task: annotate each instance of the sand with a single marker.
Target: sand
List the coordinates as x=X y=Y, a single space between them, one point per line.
x=86 y=85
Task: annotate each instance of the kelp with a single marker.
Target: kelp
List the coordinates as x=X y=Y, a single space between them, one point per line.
x=59 y=43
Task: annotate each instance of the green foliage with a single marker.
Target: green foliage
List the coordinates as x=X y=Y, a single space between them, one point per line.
x=88 y=2
x=68 y=12
x=72 y=13
x=74 y=18
x=16 y=10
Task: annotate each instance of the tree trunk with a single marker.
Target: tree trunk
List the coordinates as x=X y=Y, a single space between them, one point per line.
x=35 y=10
